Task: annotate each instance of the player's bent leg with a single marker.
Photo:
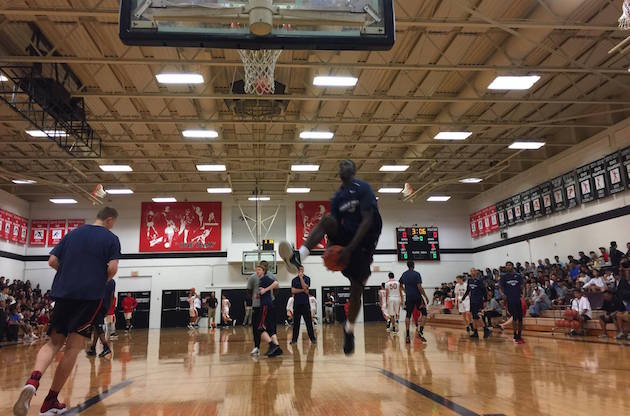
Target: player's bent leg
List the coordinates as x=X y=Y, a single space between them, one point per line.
x=356 y=291
x=293 y=258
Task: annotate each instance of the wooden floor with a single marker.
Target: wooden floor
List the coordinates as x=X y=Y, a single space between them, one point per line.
x=181 y=372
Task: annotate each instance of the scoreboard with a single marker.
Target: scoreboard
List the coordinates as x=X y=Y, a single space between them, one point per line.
x=417 y=243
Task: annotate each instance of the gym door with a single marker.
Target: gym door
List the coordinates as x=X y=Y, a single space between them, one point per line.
x=237 y=302
x=280 y=304
x=371 y=306
x=175 y=309
x=341 y=294
x=140 y=317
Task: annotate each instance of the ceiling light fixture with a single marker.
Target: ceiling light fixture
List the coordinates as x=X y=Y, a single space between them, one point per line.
x=438 y=198
x=219 y=190
x=63 y=200
x=335 y=81
x=121 y=191
x=317 y=135
x=115 y=168
x=182 y=78
x=520 y=82
x=24 y=181
x=526 y=145
x=394 y=168
x=471 y=180
x=298 y=190
x=3 y=78
x=258 y=198
x=46 y=133
x=452 y=135
x=390 y=190
x=304 y=168
x=211 y=168
x=200 y=134
x=161 y=199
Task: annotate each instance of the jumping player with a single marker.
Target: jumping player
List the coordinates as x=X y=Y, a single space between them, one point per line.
x=354 y=223
x=382 y=301
x=511 y=286
x=411 y=282
x=85 y=259
x=393 y=293
x=477 y=292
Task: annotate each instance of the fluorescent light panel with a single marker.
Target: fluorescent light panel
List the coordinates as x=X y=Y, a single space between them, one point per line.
x=182 y=78
x=46 y=133
x=122 y=191
x=219 y=190
x=63 y=200
x=471 y=180
x=23 y=181
x=526 y=145
x=394 y=168
x=304 y=168
x=258 y=198
x=200 y=134
x=390 y=190
x=522 y=82
x=115 y=168
x=164 y=199
x=211 y=168
x=3 y=78
x=335 y=81
x=452 y=135
x=438 y=198
x=298 y=190
x=317 y=135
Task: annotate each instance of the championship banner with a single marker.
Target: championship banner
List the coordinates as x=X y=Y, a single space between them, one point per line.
x=481 y=229
x=74 y=223
x=518 y=208
x=56 y=231
x=534 y=194
x=613 y=171
x=598 y=175
x=23 y=230
x=509 y=212
x=39 y=233
x=546 y=194
x=570 y=190
x=559 y=199
x=473 y=225
x=586 y=183
x=501 y=214
x=625 y=161
x=494 y=219
x=15 y=227
x=180 y=226
x=307 y=216
x=7 y=225
x=486 y=220
x=526 y=202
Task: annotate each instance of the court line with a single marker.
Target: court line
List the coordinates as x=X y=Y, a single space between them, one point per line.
x=460 y=410
x=98 y=398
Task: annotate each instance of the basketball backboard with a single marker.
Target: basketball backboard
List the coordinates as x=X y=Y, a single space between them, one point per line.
x=252 y=258
x=259 y=24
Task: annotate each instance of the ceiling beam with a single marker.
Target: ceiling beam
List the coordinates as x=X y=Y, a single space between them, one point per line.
x=308 y=65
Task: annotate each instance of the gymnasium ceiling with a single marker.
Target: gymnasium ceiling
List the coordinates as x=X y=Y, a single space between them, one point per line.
x=435 y=78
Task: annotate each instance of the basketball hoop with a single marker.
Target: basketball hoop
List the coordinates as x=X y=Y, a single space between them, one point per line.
x=624 y=20
x=260 y=66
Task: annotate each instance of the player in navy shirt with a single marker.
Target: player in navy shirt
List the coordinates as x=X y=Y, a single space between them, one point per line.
x=301 y=306
x=477 y=291
x=266 y=322
x=511 y=286
x=354 y=223
x=411 y=282
x=85 y=259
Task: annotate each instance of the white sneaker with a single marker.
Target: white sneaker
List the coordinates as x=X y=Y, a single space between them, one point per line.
x=23 y=403
x=255 y=352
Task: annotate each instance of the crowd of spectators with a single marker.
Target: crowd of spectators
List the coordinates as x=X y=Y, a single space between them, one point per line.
x=557 y=283
x=24 y=311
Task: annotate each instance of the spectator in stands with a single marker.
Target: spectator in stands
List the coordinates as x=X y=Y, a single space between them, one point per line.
x=492 y=309
x=596 y=283
x=622 y=283
x=615 y=256
x=3 y=319
x=628 y=247
x=540 y=302
x=583 y=259
x=13 y=324
x=541 y=265
x=547 y=264
x=574 y=271
x=614 y=313
x=558 y=262
x=595 y=261
x=4 y=295
x=604 y=255
x=609 y=278
x=581 y=304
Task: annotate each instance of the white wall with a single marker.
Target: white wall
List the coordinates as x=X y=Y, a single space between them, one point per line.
x=8 y=267
x=206 y=273
x=567 y=242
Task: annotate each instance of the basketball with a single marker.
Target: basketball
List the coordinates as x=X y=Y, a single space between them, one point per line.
x=331 y=258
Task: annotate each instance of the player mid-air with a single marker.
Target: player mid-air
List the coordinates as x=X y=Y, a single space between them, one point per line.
x=354 y=223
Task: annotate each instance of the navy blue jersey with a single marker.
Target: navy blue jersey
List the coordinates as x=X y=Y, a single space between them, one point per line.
x=411 y=279
x=476 y=290
x=348 y=206
x=265 y=282
x=83 y=257
x=300 y=298
x=512 y=286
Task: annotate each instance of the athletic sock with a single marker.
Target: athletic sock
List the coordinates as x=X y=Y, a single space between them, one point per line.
x=34 y=379
x=52 y=395
x=304 y=252
x=349 y=327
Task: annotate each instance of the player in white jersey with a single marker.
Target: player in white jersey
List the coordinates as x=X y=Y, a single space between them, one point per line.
x=192 y=312
x=382 y=301
x=225 y=310
x=312 y=300
x=289 y=320
x=393 y=295
x=463 y=306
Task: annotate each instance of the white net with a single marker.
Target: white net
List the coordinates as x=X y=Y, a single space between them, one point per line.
x=624 y=20
x=259 y=66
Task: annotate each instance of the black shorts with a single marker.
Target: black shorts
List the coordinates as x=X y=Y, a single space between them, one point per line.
x=267 y=320
x=609 y=319
x=515 y=309
x=358 y=268
x=475 y=308
x=415 y=303
x=70 y=316
x=198 y=312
